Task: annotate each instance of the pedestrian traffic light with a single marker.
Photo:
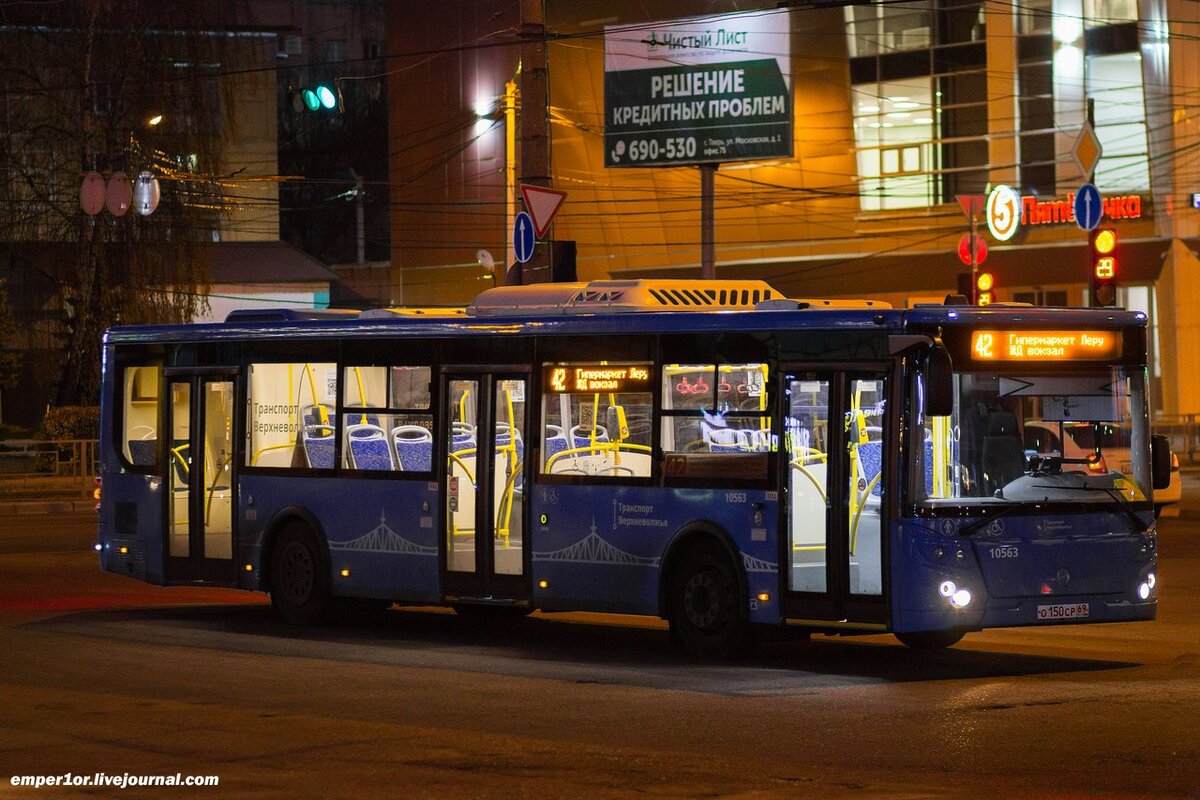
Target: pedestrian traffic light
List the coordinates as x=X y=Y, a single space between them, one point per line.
x=317 y=98
x=983 y=289
x=1104 y=266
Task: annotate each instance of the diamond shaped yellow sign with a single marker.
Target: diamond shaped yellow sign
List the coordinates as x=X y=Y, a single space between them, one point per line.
x=1087 y=151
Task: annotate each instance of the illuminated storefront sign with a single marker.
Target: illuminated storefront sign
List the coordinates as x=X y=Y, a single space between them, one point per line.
x=1001 y=213
x=1061 y=212
x=1045 y=345
x=565 y=378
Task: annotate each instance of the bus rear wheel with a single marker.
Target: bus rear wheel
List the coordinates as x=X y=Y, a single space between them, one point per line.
x=930 y=640
x=300 y=590
x=708 y=616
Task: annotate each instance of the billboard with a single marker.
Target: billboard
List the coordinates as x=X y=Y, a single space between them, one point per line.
x=698 y=90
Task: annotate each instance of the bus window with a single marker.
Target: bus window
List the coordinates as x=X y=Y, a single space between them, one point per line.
x=1040 y=434
x=139 y=420
x=291 y=419
x=596 y=420
x=716 y=421
x=388 y=426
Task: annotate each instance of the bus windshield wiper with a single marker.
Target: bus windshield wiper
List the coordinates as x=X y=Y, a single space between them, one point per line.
x=1128 y=509
x=979 y=523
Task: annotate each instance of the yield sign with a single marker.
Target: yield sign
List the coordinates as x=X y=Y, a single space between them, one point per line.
x=971 y=204
x=542 y=204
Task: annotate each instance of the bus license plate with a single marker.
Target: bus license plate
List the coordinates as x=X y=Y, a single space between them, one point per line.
x=1062 y=611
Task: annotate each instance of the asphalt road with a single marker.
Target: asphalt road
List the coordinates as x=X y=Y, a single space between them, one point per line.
x=103 y=674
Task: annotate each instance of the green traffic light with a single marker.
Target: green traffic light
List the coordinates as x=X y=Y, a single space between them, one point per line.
x=311 y=102
x=326 y=96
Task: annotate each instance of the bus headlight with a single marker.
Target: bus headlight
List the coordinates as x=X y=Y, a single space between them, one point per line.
x=1146 y=587
x=947 y=589
x=960 y=599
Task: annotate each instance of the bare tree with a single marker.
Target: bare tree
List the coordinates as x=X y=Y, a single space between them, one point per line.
x=81 y=82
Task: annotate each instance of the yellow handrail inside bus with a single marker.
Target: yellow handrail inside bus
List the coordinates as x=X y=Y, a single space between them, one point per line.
x=941 y=456
x=261 y=450
x=362 y=394
x=795 y=464
x=178 y=453
x=319 y=407
x=599 y=446
x=504 y=513
x=212 y=489
x=454 y=458
x=858 y=513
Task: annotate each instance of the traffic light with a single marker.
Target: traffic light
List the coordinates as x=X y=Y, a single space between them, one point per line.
x=317 y=98
x=983 y=289
x=1104 y=266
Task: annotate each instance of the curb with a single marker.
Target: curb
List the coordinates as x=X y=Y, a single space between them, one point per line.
x=21 y=507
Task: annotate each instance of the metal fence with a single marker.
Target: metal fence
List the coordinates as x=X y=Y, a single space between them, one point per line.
x=1184 y=432
x=30 y=467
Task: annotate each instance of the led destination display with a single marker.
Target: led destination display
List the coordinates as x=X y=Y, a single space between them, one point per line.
x=559 y=379
x=1045 y=345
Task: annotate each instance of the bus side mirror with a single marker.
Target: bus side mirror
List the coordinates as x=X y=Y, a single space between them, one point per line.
x=938 y=369
x=1160 y=461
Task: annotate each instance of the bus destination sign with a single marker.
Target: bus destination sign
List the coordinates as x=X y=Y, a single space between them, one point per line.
x=562 y=379
x=1045 y=345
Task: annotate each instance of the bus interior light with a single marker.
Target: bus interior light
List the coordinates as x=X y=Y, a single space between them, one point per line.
x=543 y=584
x=764 y=597
x=961 y=598
x=249 y=568
x=345 y=573
x=947 y=588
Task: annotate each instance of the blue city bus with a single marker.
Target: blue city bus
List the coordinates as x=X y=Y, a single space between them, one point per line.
x=710 y=453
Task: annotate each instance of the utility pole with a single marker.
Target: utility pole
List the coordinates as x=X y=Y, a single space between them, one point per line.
x=533 y=84
x=708 y=248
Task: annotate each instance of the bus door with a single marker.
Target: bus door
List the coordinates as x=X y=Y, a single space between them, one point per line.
x=200 y=477
x=834 y=516
x=484 y=478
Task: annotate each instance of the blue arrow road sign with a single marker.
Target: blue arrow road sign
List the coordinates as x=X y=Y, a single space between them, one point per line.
x=523 y=239
x=1089 y=208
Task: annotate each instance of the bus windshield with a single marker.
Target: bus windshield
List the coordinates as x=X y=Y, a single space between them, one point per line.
x=1038 y=437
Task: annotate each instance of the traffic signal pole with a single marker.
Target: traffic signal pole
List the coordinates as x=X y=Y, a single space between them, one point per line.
x=974 y=262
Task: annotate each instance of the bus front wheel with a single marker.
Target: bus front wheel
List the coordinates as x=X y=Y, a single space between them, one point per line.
x=708 y=616
x=930 y=640
x=300 y=590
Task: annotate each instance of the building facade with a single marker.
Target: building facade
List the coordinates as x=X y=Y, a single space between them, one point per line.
x=900 y=109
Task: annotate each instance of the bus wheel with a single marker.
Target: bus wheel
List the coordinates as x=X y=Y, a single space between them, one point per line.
x=708 y=616
x=300 y=591
x=930 y=640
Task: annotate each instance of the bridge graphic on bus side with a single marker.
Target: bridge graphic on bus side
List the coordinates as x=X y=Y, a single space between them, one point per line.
x=594 y=549
x=383 y=539
x=753 y=564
